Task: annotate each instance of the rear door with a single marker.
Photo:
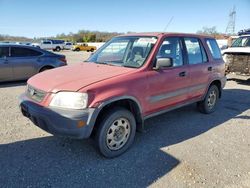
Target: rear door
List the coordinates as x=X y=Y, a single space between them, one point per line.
x=25 y=62
x=200 y=69
x=168 y=87
x=6 y=73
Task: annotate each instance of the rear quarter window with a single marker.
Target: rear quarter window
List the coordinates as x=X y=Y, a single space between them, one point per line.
x=214 y=48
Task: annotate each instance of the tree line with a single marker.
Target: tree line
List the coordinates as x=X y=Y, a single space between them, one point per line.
x=97 y=36
x=80 y=36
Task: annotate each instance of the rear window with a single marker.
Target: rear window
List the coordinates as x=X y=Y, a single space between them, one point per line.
x=24 y=52
x=214 y=48
x=4 y=52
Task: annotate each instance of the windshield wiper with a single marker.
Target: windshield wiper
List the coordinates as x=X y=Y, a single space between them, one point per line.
x=129 y=66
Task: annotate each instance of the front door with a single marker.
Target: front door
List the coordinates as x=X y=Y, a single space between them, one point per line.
x=168 y=87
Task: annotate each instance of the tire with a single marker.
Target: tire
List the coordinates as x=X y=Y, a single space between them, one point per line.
x=77 y=49
x=87 y=50
x=209 y=104
x=45 y=69
x=58 y=49
x=116 y=132
x=92 y=50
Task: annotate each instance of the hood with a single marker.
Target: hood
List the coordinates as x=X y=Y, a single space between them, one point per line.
x=75 y=77
x=236 y=50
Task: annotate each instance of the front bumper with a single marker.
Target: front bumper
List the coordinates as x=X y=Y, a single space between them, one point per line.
x=59 y=122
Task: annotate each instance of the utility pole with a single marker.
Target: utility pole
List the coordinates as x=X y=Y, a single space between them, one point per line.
x=231 y=23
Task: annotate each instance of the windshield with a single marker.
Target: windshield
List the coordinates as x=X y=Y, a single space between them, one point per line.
x=124 y=51
x=242 y=42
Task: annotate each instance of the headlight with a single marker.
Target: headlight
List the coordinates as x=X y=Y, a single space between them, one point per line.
x=71 y=100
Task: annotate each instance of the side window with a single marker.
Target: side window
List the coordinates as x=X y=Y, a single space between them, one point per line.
x=195 y=51
x=4 y=52
x=46 y=42
x=214 y=48
x=171 y=48
x=24 y=52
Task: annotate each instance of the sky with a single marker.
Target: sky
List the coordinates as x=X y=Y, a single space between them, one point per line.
x=45 y=18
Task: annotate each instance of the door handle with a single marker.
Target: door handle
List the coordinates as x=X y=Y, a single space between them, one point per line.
x=182 y=74
x=210 y=68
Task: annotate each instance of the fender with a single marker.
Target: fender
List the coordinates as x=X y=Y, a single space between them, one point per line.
x=140 y=125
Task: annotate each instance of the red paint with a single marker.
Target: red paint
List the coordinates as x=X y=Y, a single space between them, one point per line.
x=103 y=82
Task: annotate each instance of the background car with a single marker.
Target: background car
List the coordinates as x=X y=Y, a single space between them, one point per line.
x=68 y=45
x=83 y=47
x=49 y=44
x=19 y=62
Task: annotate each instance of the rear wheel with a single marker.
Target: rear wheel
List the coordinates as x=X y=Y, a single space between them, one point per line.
x=58 y=49
x=116 y=132
x=92 y=50
x=209 y=104
x=77 y=49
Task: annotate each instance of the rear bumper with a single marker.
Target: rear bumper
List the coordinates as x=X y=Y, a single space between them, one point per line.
x=76 y=124
x=223 y=81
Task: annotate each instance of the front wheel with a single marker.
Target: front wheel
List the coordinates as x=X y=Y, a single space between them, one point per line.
x=116 y=132
x=208 y=105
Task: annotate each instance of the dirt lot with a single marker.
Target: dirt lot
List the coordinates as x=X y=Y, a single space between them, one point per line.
x=183 y=148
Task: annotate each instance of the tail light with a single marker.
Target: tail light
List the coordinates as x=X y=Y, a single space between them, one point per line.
x=63 y=59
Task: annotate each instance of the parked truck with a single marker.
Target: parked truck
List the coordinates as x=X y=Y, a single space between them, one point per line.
x=83 y=47
x=55 y=45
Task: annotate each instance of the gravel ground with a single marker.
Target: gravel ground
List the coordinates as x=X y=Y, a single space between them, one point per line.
x=182 y=148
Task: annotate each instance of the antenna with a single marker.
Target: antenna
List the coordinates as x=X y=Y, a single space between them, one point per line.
x=231 y=23
x=168 y=23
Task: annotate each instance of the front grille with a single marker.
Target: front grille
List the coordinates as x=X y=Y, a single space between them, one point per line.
x=35 y=94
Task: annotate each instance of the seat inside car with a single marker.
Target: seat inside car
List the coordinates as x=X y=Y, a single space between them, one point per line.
x=137 y=55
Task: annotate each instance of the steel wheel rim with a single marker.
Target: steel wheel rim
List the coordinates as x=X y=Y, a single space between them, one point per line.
x=212 y=97
x=118 y=134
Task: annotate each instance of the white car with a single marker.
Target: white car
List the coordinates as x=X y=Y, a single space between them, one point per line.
x=237 y=56
x=68 y=45
x=240 y=45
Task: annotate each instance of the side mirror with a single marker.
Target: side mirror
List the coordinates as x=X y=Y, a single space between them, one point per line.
x=163 y=63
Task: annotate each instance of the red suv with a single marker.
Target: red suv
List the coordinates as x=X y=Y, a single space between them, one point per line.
x=129 y=79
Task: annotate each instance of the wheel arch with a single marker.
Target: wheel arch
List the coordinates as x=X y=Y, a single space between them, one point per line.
x=128 y=102
x=45 y=66
x=218 y=83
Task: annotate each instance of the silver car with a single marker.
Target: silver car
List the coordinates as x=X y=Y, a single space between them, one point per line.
x=20 y=62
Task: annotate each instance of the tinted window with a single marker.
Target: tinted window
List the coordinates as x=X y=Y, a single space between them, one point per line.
x=46 y=42
x=171 y=48
x=214 y=48
x=24 y=52
x=4 y=52
x=196 y=52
